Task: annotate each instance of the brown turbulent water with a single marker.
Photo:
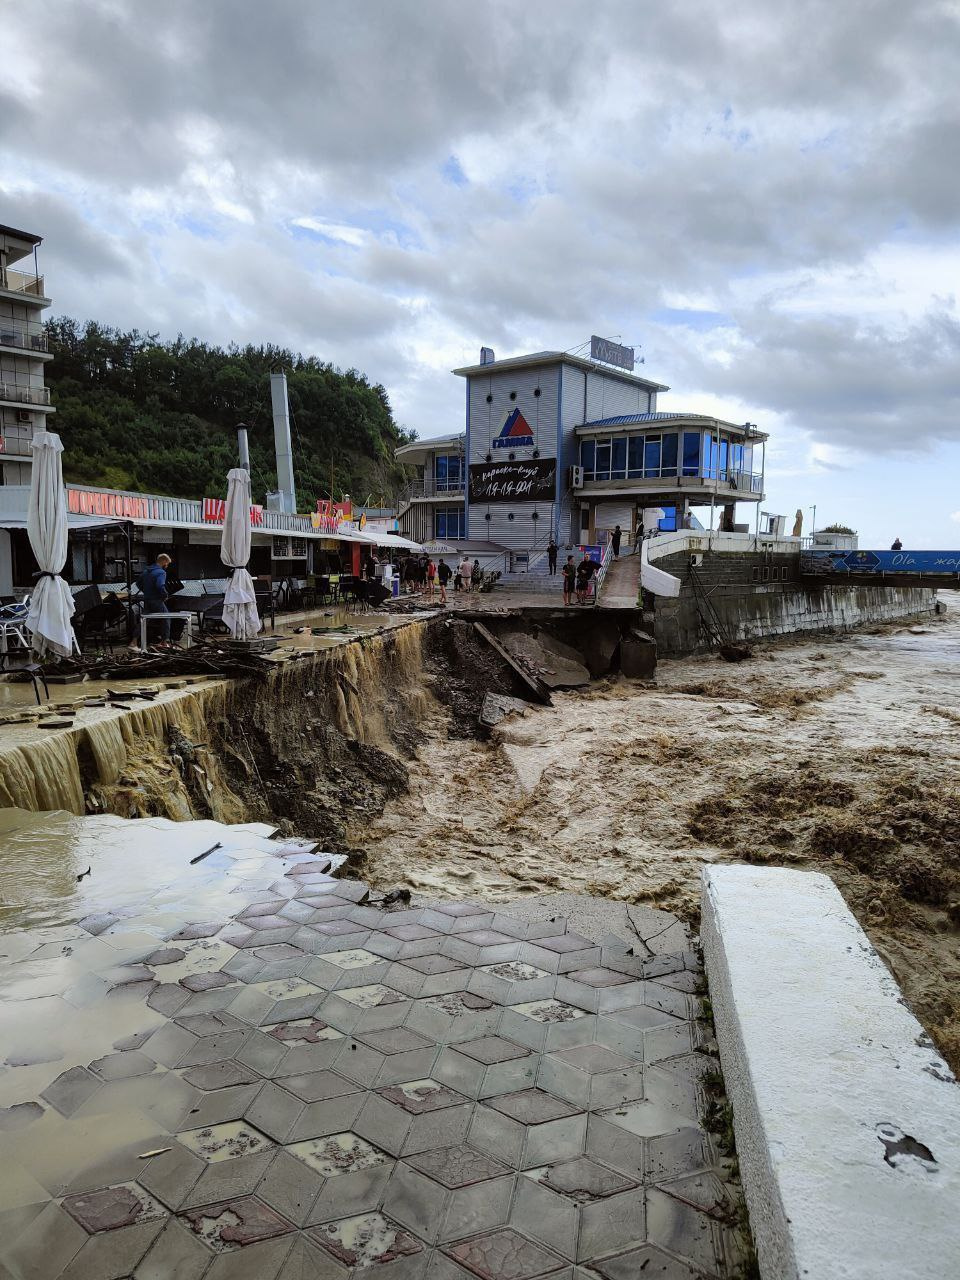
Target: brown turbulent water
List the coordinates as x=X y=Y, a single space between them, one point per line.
x=840 y=755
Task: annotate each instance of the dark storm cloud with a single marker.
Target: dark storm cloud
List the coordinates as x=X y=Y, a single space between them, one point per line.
x=515 y=174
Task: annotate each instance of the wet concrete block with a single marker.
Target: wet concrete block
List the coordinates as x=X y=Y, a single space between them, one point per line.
x=281 y=1000
x=599 y=990
x=389 y=1056
x=457 y=917
x=341 y=1173
x=454 y=1017
x=71 y=1089
x=368 y=1008
x=591 y=1076
x=414 y=1116
x=353 y=967
x=428 y=975
x=528 y=1128
x=480 y=946
x=561 y=953
x=580 y=1208
x=498 y=1254
x=545 y=1025
x=369 y=1245
x=512 y=982
x=176 y=1252
x=638 y=656
x=487 y=1066
x=456 y=1190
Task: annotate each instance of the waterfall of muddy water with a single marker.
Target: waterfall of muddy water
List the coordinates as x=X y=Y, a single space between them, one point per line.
x=840 y=754
x=318 y=734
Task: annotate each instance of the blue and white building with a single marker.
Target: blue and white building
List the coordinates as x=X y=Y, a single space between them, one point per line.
x=564 y=446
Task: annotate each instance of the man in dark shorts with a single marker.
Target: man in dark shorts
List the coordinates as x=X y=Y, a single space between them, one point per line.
x=552 y=556
x=585 y=571
x=569 y=581
x=443 y=577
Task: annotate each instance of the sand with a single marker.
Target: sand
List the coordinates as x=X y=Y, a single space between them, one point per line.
x=840 y=754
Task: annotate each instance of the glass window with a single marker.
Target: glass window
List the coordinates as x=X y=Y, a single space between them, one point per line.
x=691 y=453
x=668 y=460
x=603 y=460
x=619 y=466
x=724 y=449
x=736 y=456
x=448 y=523
x=588 y=452
x=651 y=457
x=635 y=457
x=668 y=522
x=709 y=456
x=447 y=470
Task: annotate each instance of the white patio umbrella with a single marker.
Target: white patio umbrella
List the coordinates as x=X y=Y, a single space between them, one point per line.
x=51 y=604
x=240 y=601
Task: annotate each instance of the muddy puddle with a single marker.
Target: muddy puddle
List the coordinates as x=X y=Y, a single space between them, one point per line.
x=838 y=754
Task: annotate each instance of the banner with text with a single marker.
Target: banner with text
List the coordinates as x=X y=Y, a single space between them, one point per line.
x=533 y=481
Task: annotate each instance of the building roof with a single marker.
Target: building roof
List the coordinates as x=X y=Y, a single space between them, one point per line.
x=633 y=419
x=559 y=357
x=20 y=235
x=426 y=446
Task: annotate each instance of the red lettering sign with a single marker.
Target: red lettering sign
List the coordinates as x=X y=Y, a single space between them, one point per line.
x=215 y=511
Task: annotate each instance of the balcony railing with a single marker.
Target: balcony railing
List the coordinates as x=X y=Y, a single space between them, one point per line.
x=24 y=395
x=743 y=481
x=22 y=282
x=14 y=333
x=15 y=447
x=428 y=487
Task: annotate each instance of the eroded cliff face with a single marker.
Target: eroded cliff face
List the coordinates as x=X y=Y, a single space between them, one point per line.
x=315 y=740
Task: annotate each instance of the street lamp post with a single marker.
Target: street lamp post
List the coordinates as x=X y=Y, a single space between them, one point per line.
x=813 y=527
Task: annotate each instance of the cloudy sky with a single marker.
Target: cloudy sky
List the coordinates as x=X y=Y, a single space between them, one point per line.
x=763 y=199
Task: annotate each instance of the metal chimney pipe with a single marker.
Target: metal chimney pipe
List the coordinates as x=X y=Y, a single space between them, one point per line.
x=243 y=447
x=281 y=438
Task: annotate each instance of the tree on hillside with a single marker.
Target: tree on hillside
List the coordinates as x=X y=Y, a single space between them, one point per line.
x=136 y=412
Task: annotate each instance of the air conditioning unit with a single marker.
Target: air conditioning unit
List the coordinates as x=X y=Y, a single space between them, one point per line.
x=696 y=560
x=24 y=415
x=576 y=477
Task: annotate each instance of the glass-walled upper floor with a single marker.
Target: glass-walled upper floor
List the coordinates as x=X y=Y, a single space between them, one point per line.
x=669 y=455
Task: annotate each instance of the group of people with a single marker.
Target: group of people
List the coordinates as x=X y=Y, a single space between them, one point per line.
x=423 y=573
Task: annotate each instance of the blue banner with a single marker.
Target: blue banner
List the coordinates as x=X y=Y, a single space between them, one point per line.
x=919 y=562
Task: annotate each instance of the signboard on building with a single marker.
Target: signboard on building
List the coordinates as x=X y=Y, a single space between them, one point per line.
x=126 y=506
x=533 y=481
x=611 y=353
x=215 y=511
x=515 y=432
x=880 y=562
x=329 y=516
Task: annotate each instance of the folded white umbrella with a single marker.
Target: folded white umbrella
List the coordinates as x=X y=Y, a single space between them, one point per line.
x=51 y=604
x=240 y=601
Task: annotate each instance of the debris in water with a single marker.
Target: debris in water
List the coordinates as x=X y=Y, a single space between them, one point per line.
x=157 y=1151
x=85 y=873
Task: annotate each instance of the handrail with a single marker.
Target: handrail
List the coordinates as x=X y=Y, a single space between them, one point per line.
x=15 y=333
x=24 y=395
x=21 y=282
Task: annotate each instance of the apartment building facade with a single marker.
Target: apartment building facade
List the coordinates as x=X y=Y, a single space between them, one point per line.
x=24 y=397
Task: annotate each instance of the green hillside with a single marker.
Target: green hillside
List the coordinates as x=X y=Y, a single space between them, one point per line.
x=161 y=417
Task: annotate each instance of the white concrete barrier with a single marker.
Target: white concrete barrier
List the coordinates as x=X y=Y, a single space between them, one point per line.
x=847 y=1120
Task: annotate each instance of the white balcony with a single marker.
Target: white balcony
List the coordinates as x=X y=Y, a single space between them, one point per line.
x=13 y=393
x=22 y=282
x=20 y=333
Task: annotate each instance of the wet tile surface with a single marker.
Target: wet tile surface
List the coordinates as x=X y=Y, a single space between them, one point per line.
x=273 y=1079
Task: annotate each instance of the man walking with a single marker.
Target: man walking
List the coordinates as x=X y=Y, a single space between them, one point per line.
x=466 y=573
x=615 y=542
x=552 y=557
x=443 y=577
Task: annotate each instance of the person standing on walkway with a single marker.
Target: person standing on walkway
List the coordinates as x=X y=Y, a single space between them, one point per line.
x=896 y=545
x=585 y=571
x=615 y=541
x=153 y=587
x=466 y=572
x=552 y=556
x=477 y=575
x=638 y=538
x=443 y=577
x=569 y=581
x=431 y=577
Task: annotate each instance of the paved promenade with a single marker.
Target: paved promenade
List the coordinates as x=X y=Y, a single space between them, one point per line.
x=255 y=1072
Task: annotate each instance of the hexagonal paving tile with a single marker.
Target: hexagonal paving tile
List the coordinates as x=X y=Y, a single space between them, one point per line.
x=233 y=1224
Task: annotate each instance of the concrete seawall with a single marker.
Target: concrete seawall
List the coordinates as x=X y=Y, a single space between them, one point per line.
x=757 y=595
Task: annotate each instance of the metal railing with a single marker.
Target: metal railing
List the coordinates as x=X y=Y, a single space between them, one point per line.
x=24 y=395
x=15 y=446
x=14 y=334
x=22 y=282
x=428 y=487
x=742 y=481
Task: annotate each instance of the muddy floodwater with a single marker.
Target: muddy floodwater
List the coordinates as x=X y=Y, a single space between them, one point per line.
x=839 y=754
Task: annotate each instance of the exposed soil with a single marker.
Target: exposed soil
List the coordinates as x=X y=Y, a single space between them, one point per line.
x=839 y=754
